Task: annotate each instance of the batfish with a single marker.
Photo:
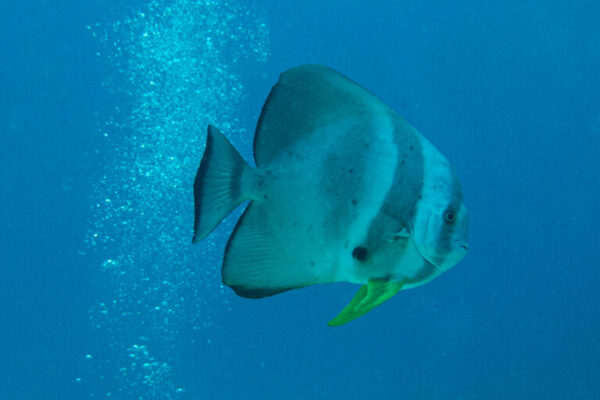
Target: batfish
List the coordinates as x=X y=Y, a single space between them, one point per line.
x=344 y=189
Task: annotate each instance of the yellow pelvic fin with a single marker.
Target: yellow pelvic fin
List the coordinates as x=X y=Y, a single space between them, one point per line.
x=368 y=297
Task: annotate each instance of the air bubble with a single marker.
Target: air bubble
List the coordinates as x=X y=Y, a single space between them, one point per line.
x=178 y=63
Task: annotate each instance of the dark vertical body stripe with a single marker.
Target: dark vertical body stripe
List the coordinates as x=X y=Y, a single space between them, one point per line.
x=398 y=208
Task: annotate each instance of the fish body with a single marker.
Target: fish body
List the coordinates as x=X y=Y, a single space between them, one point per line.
x=344 y=190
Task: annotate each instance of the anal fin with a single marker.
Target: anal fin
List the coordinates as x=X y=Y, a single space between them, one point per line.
x=368 y=297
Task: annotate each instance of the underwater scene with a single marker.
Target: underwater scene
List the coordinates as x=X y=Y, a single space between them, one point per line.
x=233 y=199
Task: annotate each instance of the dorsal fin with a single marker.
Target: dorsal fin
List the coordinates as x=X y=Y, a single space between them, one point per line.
x=305 y=98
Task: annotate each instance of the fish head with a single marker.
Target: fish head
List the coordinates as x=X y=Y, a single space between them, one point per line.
x=440 y=224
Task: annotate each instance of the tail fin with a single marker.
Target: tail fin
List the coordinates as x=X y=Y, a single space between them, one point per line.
x=217 y=187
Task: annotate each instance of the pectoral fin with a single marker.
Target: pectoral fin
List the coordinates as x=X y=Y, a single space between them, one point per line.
x=368 y=297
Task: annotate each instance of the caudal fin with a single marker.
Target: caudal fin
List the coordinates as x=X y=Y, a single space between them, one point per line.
x=217 y=187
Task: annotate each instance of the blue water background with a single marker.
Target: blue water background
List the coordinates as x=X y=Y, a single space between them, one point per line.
x=508 y=91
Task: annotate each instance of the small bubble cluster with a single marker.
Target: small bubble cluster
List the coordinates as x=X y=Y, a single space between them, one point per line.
x=177 y=71
x=146 y=367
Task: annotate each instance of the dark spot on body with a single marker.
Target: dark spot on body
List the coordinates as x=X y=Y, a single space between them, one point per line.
x=411 y=148
x=360 y=253
x=265 y=196
x=351 y=170
x=354 y=202
x=312 y=263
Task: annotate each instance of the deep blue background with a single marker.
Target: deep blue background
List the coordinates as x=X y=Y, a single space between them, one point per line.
x=510 y=93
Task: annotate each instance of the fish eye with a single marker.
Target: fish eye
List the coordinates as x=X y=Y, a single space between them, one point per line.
x=449 y=216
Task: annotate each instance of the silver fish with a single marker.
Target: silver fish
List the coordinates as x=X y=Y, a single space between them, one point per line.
x=344 y=189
